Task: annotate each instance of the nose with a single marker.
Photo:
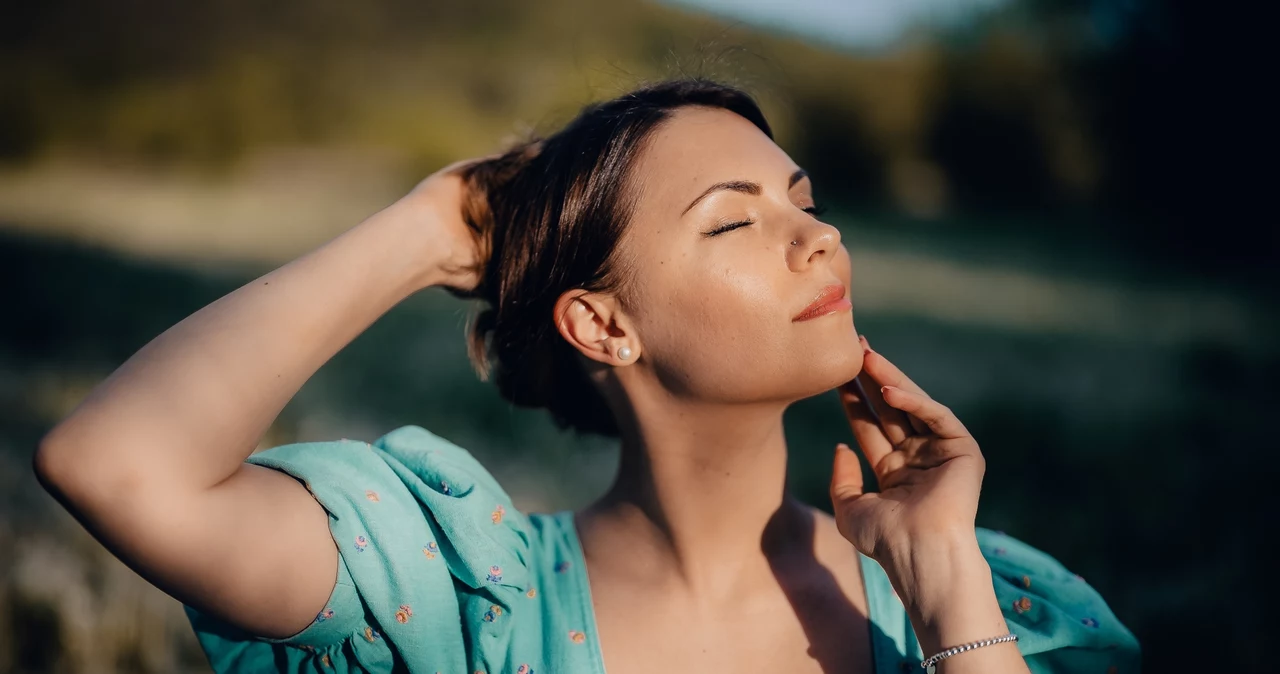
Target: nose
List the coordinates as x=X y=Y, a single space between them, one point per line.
x=812 y=241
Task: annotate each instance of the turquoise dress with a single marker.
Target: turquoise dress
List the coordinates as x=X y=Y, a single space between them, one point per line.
x=438 y=572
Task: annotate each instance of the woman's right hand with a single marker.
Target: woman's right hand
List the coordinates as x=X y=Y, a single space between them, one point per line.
x=452 y=253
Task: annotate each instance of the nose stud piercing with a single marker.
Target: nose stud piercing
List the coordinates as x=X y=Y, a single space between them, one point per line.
x=624 y=353
x=794 y=242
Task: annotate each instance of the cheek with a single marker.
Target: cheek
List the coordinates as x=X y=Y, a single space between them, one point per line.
x=701 y=321
x=724 y=332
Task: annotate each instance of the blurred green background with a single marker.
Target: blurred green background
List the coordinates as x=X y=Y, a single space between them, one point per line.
x=1050 y=231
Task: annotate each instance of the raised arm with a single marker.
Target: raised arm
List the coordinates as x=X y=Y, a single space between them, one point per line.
x=152 y=462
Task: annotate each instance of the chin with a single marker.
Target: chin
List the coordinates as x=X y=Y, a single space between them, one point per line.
x=817 y=376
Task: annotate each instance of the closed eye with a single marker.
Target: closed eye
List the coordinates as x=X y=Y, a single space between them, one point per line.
x=814 y=210
x=733 y=225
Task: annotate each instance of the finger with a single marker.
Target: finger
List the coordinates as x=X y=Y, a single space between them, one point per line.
x=893 y=423
x=919 y=426
x=846 y=475
x=463 y=163
x=863 y=422
x=938 y=417
x=886 y=373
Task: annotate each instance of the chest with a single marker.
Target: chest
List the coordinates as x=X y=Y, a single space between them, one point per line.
x=819 y=626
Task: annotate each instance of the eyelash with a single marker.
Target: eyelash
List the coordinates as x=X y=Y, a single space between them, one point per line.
x=814 y=210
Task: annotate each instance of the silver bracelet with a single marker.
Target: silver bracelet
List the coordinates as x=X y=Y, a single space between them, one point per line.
x=931 y=665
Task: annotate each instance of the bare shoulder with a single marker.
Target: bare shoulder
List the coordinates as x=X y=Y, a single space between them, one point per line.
x=823 y=559
x=827 y=534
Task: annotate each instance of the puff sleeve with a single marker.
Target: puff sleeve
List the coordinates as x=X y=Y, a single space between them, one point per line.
x=1063 y=625
x=420 y=526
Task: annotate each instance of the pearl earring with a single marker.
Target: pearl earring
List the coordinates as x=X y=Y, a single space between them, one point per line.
x=624 y=353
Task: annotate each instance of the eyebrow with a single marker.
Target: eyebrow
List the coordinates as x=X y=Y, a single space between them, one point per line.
x=744 y=186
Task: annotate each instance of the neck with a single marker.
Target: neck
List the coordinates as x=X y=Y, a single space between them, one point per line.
x=700 y=497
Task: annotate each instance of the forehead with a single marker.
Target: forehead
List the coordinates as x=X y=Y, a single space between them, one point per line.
x=698 y=147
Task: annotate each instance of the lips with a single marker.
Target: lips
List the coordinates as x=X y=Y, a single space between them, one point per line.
x=829 y=300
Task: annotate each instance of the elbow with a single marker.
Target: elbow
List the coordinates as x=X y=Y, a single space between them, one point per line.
x=51 y=464
x=85 y=469
x=62 y=467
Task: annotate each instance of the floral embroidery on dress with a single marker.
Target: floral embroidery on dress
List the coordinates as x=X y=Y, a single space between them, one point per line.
x=498 y=512
x=999 y=551
x=1022 y=605
x=361 y=543
x=531 y=593
x=524 y=669
x=403 y=615
x=372 y=495
x=324 y=615
x=495 y=574
x=577 y=637
x=1089 y=622
x=324 y=660
x=444 y=488
x=493 y=613
x=430 y=550
x=1026 y=581
x=562 y=566
x=371 y=635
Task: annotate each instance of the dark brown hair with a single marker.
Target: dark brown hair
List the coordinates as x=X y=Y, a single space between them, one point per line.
x=548 y=215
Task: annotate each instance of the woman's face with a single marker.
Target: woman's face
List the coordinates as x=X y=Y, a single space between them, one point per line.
x=713 y=314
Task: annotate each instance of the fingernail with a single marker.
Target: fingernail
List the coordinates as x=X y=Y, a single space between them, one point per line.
x=886 y=389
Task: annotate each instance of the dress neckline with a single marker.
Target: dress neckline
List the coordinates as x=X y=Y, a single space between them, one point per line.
x=883 y=622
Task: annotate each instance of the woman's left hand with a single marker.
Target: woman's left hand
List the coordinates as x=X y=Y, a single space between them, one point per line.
x=928 y=467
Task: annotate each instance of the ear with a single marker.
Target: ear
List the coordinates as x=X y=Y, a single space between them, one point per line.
x=594 y=324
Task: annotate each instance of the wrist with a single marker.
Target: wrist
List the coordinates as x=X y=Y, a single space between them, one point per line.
x=922 y=567
x=945 y=584
x=419 y=254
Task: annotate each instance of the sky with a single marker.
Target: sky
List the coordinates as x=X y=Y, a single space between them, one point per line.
x=859 y=24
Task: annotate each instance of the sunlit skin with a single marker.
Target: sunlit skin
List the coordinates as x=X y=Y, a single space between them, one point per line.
x=699 y=507
x=716 y=359
x=705 y=305
x=698 y=558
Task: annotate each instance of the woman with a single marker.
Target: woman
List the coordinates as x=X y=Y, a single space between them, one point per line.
x=654 y=271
